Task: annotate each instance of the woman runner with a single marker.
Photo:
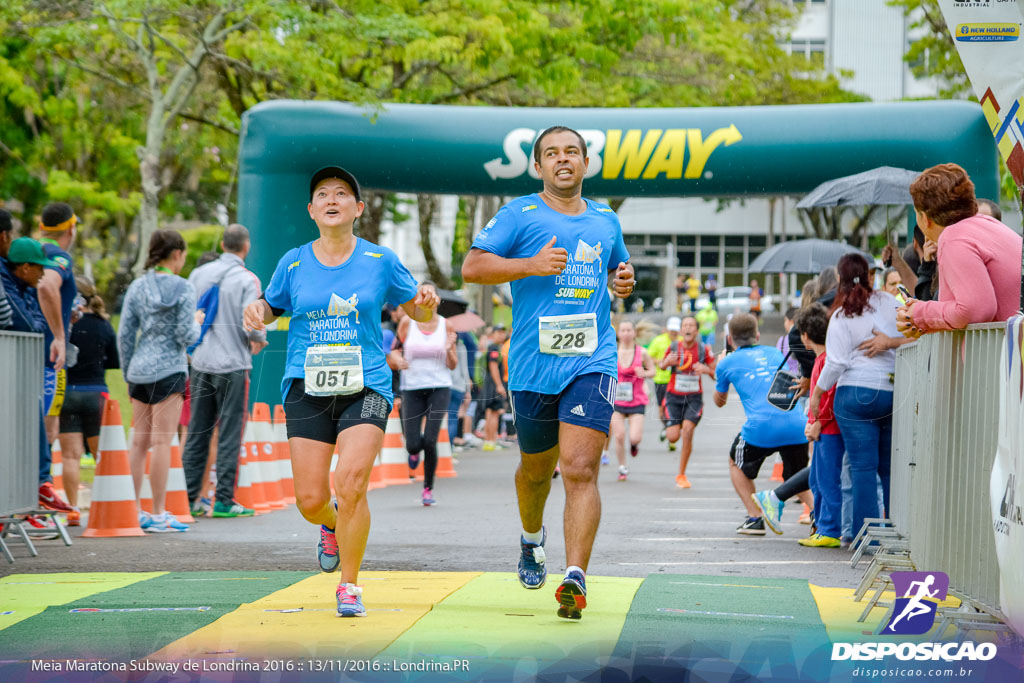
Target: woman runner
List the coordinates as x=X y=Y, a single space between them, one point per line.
x=429 y=352
x=630 y=395
x=337 y=385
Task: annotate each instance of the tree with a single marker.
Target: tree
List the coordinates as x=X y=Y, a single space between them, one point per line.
x=932 y=54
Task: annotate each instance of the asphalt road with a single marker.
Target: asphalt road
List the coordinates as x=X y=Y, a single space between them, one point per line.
x=647 y=526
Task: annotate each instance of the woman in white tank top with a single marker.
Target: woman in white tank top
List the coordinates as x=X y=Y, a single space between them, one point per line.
x=430 y=352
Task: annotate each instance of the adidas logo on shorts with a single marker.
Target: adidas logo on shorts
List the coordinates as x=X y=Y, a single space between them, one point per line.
x=578 y=410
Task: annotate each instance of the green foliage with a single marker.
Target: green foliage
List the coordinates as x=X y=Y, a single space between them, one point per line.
x=933 y=54
x=199 y=240
x=82 y=84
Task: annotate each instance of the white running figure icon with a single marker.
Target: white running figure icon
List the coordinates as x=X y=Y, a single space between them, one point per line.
x=915 y=607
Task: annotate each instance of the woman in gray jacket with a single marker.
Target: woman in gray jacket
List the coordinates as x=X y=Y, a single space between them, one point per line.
x=159 y=321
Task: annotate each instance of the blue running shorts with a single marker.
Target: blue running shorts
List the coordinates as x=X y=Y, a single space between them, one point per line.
x=588 y=401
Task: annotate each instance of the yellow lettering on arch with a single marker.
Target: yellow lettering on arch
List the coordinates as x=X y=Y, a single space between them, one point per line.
x=700 y=150
x=668 y=158
x=628 y=152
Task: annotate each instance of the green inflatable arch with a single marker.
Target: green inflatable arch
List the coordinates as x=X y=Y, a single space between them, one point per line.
x=711 y=152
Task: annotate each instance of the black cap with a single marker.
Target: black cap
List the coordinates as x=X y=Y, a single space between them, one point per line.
x=334 y=172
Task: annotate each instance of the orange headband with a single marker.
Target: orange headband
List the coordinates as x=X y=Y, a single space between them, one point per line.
x=60 y=227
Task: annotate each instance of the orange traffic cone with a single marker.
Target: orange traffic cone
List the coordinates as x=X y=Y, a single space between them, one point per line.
x=283 y=455
x=262 y=438
x=176 y=501
x=777 y=469
x=112 y=511
x=243 y=485
x=394 y=460
x=445 y=464
x=259 y=493
x=57 y=470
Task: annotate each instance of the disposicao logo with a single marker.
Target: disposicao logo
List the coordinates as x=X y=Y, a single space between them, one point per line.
x=913 y=614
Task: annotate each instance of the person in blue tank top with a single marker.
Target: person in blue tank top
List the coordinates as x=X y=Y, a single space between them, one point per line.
x=768 y=430
x=561 y=252
x=337 y=385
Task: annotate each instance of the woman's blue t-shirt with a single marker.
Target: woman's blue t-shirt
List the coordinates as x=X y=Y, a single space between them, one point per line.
x=340 y=305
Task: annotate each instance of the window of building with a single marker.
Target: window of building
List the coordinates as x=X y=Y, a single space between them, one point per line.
x=686 y=259
x=758 y=241
x=709 y=259
x=660 y=240
x=734 y=241
x=734 y=259
x=812 y=50
x=686 y=240
x=634 y=240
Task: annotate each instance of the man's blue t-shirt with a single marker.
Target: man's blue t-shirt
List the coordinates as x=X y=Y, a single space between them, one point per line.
x=593 y=239
x=68 y=288
x=751 y=369
x=340 y=305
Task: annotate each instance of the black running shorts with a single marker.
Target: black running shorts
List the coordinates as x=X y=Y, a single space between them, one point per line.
x=323 y=418
x=749 y=457
x=683 y=407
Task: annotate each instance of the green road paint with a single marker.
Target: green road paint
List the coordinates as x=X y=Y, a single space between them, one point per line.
x=131 y=634
x=21 y=603
x=301 y=621
x=693 y=618
x=493 y=618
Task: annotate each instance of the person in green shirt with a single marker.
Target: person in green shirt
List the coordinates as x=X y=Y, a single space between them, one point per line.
x=707 y=318
x=657 y=350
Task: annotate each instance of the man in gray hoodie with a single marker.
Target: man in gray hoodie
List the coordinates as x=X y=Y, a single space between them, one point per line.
x=220 y=372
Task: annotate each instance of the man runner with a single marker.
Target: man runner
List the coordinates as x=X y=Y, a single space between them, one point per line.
x=656 y=350
x=559 y=251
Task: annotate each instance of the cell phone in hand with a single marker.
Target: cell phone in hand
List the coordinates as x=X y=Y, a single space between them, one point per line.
x=907 y=296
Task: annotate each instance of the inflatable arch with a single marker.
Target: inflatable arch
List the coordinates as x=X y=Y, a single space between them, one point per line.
x=711 y=152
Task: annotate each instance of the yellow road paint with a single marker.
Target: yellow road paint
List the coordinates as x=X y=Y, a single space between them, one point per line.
x=839 y=613
x=493 y=617
x=26 y=595
x=300 y=621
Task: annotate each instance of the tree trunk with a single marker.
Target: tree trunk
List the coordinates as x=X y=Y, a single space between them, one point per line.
x=427 y=206
x=150 y=172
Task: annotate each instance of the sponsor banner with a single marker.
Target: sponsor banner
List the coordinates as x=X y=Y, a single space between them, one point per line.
x=987 y=37
x=1007 y=483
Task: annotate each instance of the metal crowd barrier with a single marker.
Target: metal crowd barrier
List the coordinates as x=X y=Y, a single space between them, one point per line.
x=945 y=435
x=21 y=368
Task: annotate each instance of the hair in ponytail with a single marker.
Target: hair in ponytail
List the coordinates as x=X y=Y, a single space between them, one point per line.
x=854 y=286
x=93 y=301
x=162 y=244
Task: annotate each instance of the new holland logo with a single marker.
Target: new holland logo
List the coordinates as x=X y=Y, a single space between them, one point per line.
x=341 y=307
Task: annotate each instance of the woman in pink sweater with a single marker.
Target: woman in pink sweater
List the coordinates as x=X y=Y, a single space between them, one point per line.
x=979 y=257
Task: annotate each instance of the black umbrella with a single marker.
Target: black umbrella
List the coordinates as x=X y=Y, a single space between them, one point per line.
x=451 y=303
x=879 y=186
x=803 y=256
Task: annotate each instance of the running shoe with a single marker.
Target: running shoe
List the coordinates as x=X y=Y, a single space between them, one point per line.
x=572 y=595
x=49 y=499
x=661 y=435
x=42 y=528
x=752 y=526
x=532 y=572
x=682 y=482
x=350 y=600
x=145 y=520
x=634 y=450
x=165 y=523
x=327 y=550
x=819 y=541
x=233 y=510
x=489 y=446
x=87 y=460
x=75 y=518
x=414 y=460
x=771 y=512
x=604 y=458
x=554 y=475
x=672 y=445
x=623 y=472
x=428 y=496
